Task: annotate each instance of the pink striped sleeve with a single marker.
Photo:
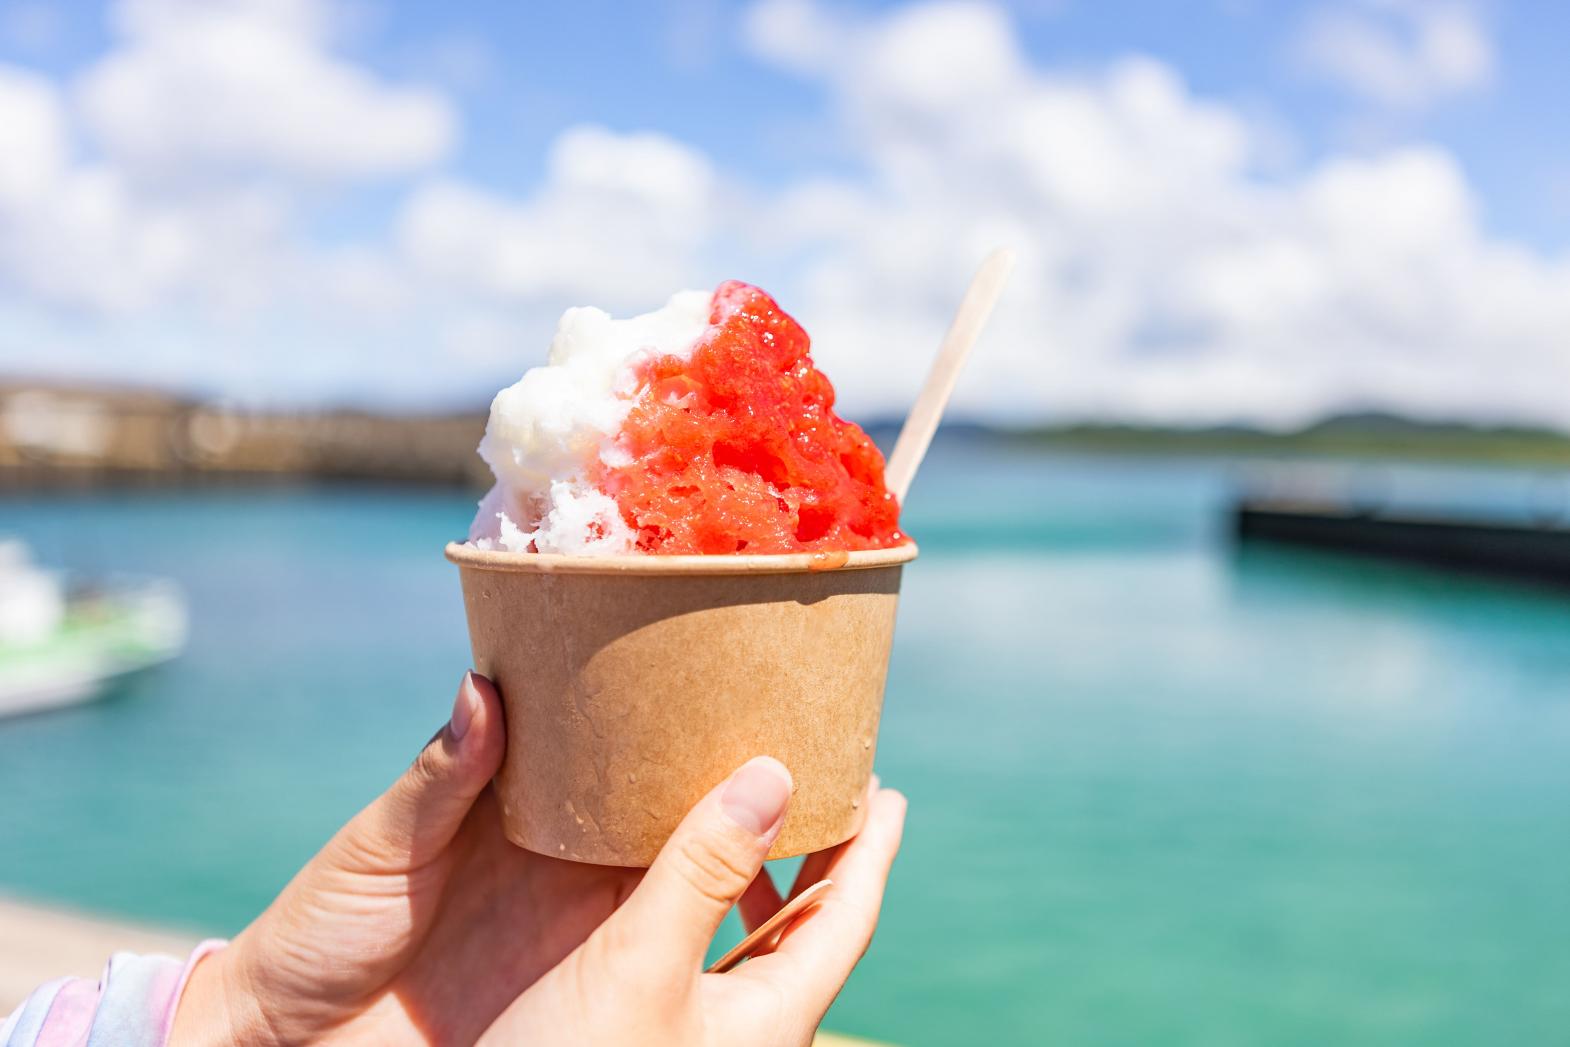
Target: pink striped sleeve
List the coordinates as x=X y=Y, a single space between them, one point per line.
x=131 y=1005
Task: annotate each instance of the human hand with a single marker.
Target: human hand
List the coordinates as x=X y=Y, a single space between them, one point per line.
x=638 y=978
x=420 y=923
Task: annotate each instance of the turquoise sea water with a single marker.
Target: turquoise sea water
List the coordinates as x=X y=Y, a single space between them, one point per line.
x=1162 y=791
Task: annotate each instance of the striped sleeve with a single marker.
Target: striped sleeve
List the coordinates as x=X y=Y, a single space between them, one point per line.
x=131 y=1005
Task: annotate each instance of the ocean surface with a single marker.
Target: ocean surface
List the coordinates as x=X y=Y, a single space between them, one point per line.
x=1162 y=790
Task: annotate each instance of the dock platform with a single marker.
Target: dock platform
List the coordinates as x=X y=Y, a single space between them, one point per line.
x=1536 y=552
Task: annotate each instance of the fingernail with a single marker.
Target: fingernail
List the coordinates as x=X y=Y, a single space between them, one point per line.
x=463 y=708
x=756 y=796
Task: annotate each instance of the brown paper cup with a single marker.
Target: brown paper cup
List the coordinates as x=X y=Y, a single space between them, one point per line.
x=635 y=684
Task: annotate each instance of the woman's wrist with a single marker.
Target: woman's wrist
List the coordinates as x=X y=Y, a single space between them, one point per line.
x=214 y=1008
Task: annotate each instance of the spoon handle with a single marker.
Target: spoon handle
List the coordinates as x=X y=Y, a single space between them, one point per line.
x=766 y=930
x=922 y=422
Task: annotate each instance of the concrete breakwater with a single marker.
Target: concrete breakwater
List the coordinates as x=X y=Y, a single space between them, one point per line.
x=58 y=437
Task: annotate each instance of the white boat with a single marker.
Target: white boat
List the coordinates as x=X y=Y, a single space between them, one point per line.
x=62 y=645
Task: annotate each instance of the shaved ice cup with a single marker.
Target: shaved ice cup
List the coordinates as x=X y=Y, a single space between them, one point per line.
x=634 y=684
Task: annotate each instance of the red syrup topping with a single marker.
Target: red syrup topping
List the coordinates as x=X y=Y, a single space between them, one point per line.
x=738 y=449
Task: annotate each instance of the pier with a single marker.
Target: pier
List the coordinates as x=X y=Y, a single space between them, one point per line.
x=1532 y=551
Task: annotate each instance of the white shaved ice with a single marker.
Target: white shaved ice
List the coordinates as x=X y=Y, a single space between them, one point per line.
x=557 y=420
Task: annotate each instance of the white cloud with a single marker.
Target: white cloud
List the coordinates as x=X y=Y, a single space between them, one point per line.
x=153 y=230
x=367 y=280
x=1162 y=275
x=81 y=236
x=798 y=35
x=618 y=220
x=1172 y=265
x=1404 y=54
x=250 y=87
x=33 y=146
x=85 y=244
x=489 y=339
x=71 y=235
x=212 y=121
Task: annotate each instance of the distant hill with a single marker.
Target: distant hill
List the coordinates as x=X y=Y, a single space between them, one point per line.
x=1351 y=435
x=57 y=435
x=1365 y=434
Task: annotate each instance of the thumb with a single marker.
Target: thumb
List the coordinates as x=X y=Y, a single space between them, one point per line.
x=705 y=866
x=414 y=821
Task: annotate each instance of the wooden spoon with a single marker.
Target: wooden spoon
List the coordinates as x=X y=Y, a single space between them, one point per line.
x=768 y=929
x=922 y=423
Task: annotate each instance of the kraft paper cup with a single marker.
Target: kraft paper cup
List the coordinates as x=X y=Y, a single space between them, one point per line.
x=635 y=684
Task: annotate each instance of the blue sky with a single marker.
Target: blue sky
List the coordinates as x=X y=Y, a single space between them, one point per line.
x=523 y=72
x=1226 y=210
